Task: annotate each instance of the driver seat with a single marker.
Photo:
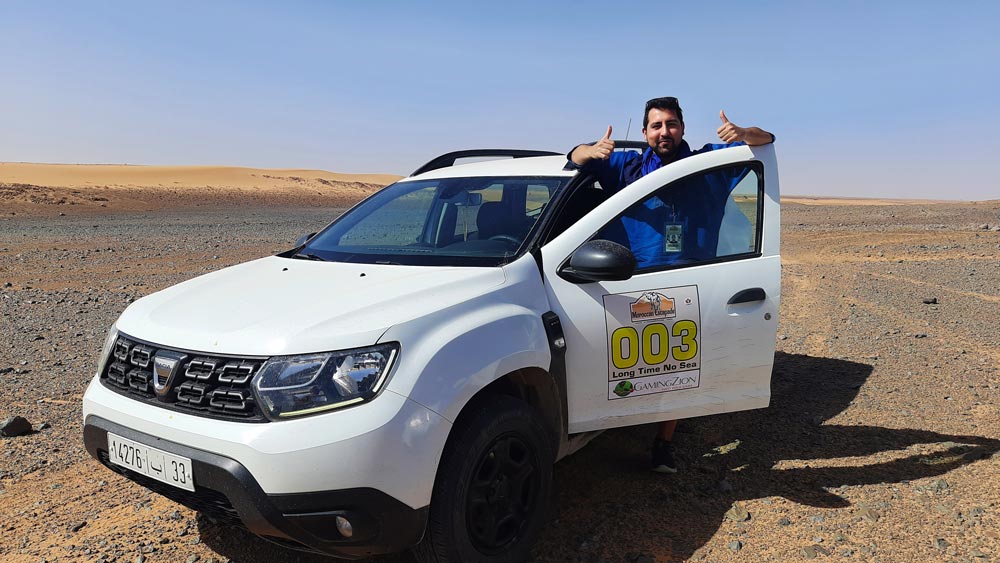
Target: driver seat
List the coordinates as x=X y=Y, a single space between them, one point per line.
x=493 y=219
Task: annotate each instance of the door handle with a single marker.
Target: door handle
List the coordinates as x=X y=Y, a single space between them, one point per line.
x=748 y=296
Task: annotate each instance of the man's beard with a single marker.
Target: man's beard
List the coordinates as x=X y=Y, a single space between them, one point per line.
x=668 y=152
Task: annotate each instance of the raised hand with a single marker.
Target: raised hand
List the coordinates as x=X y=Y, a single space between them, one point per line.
x=603 y=148
x=730 y=132
x=600 y=150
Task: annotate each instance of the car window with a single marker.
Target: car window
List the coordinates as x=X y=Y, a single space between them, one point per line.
x=738 y=233
x=449 y=221
x=406 y=214
x=538 y=196
x=701 y=218
x=584 y=199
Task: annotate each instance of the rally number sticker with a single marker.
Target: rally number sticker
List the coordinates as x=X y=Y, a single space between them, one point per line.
x=654 y=341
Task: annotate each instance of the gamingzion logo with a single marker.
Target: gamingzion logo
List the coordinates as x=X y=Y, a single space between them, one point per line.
x=651 y=306
x=624 y=388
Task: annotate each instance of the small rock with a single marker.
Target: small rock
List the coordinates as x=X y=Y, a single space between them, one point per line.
x=735 y=545
x=939 y=485
x=139 y=559
x=78 y=526
x=15 y=426
x=977 y=553
x=784 y=522
x=809 y=552
x=941 y=544
x=192 y=558
x=920 y=335
x=868 y=515
x=737 y=513
x=930 y=301
x=984 y=227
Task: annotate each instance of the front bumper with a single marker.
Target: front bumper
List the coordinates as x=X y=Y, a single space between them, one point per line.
x=227 y=491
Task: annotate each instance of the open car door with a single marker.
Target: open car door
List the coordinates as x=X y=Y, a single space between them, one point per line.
x=688 y=333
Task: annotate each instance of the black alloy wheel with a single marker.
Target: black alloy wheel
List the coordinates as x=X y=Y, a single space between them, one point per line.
x=503 y=493
x=493 y=486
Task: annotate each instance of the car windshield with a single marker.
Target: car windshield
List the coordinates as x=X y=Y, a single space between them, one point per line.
x=477 y=221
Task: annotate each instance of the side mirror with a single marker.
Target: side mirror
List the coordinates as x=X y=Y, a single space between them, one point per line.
x=599 y=260
x=303 y=239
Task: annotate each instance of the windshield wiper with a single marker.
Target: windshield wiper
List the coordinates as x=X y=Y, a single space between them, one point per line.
x=307 y=256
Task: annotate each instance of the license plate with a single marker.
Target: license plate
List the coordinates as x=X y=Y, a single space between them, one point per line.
x=158 y=464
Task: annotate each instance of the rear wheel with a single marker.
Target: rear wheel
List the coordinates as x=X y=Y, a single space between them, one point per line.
x=493 y=487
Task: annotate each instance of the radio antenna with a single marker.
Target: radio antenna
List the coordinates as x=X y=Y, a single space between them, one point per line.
x=627 y=129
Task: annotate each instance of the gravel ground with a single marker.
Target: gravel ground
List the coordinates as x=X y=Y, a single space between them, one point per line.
x=878 y=446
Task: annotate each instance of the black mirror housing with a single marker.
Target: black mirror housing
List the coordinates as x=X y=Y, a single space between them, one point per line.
x=303 y=239
x=599 y=260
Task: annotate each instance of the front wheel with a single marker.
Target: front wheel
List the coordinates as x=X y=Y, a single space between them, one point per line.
x=493 y=486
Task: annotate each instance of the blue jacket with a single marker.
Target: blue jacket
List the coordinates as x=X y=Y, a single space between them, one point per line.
x=675 y=226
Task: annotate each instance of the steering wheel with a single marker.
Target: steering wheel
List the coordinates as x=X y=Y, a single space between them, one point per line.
x=506 y=238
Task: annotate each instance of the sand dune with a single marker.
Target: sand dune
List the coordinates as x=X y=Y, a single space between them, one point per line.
x=827 y=200
x=127 y=175
x=40 y=189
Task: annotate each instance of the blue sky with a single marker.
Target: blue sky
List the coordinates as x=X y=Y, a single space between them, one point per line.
x=886 y=99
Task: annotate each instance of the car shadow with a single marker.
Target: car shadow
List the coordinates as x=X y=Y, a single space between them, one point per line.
x=781 y=451
x=607 y=503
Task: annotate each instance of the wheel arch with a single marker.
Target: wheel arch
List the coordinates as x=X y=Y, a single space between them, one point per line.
x=534 y=386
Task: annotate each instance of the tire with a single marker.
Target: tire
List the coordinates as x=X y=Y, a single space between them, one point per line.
x=493 y=487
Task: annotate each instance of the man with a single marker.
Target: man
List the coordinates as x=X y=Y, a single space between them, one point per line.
x=692 y=217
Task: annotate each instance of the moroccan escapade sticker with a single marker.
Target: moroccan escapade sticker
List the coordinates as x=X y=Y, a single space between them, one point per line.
x=654 y=341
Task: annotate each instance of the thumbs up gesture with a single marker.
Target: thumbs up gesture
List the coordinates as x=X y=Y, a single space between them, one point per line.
x=730 y=132
x=603 y=148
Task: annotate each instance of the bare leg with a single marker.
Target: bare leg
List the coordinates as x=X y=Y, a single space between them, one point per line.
x=666 y=430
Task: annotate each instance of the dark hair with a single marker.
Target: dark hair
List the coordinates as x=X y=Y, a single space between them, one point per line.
x=665 y=103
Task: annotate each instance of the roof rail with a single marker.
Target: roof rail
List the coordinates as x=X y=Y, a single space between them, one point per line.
x=448 y=159
x=642 y=145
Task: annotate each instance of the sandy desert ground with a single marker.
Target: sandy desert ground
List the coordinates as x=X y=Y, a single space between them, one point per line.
x=879 y=446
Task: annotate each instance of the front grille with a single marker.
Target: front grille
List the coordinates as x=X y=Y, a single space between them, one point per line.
x=204 y=500
x=190 y=382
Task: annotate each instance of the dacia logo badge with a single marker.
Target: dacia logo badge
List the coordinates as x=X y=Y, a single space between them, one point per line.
x=166 y=364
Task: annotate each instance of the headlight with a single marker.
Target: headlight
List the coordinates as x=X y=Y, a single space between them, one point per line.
x=109 y=341
x=288 y=386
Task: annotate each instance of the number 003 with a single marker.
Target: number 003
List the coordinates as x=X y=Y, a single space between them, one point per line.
x=653 y=346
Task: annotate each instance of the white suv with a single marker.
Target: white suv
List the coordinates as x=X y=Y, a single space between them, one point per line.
x=407 y=376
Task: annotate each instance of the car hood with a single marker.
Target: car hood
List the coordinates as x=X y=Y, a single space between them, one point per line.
x=277 y=306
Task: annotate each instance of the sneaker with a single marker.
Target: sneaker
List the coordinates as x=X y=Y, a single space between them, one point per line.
x=663 y=457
